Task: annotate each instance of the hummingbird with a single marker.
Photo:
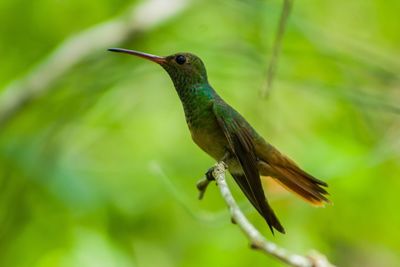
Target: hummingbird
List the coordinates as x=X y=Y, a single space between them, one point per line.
x=225 y=135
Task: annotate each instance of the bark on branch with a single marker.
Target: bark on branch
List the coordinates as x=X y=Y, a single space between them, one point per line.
x=257 y=240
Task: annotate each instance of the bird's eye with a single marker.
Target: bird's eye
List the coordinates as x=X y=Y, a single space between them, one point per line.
x=181 y=59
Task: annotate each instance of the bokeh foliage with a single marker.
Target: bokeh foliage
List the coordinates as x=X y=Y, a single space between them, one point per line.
x=101 y=171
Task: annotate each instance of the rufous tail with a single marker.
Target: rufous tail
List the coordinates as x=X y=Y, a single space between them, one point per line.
x=298 y=181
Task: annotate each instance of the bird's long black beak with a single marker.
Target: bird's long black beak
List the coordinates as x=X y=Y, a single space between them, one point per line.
x=156 y=59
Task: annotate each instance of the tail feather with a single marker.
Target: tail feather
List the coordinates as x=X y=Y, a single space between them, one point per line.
x=276 y=165
x=298 y=181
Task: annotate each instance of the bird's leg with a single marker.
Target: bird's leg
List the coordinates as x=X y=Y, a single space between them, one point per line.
x=208 y=177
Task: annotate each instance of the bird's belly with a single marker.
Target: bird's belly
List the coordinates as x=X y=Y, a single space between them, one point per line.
x=214 y=143
x=211 y=141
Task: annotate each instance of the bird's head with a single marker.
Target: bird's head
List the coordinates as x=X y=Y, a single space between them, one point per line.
x=185 y=69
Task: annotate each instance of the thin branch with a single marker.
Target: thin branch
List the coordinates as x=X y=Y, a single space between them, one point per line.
x=202 y=185
x=38 y=82
x=257 y=240
x=276 y=48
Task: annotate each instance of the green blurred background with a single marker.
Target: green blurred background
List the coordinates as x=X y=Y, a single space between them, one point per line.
x=99 y=169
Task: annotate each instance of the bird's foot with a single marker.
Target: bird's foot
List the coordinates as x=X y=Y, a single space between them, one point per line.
x=203 y=182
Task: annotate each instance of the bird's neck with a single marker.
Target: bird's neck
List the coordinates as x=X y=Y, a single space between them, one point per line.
x=196 y=99
x=194 y=91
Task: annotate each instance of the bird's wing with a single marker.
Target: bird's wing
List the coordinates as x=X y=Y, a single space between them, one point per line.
x=241 y=144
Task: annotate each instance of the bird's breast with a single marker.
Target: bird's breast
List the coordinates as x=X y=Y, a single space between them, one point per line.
x=206 y=133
